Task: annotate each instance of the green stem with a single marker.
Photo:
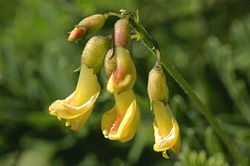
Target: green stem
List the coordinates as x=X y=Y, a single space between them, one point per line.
x=152 y=45
x=115 y=14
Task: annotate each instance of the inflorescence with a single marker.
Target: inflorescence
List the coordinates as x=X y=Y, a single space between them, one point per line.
x=122 y=121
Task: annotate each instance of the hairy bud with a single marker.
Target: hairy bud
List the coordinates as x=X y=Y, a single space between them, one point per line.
x=157 y=86
x=88 y=25
x=109 y=63
x=95 y=51
x=122 y=33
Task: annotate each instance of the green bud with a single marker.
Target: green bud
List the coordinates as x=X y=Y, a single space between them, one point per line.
x=124 y=75
x=109 y=63
x=88 y=25
x=157 y=86
x=122 y=33
x=95 y=51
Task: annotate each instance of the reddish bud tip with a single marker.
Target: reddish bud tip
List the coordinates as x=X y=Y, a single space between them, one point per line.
x=77 y=34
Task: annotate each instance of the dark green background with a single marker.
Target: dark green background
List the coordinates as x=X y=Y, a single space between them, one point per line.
x=208 y=41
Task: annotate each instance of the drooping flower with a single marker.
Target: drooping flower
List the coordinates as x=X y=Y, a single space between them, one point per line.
x=166 y=128
x=78 y=106
x=122 y=121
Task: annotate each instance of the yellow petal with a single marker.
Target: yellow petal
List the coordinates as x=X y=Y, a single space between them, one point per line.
x=176 y=147
x=124 y=100
x=122 y=121
x=165 y=155
x=114 y=87
x=81 y=100
x=78 y=122
x=108 y=119
x=124 y=75
x=87 y=86
x=128 y=125
x=62 y=109
x=166 y=129
x=168 y=142
x=163 y=117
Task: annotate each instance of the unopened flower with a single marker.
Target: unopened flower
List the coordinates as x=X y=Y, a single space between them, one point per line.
x=95 y=51
x=124 y=75
x=166 y=128
x=122 y=33
x=88 y=25
x=122 y=121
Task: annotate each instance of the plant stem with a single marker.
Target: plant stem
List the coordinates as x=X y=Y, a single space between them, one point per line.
x=114 y=14
x=152 y=45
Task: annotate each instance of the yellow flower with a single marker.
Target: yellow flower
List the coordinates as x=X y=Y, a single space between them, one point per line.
x=166 y=129
x=78 y=106
x=122 y=121
x=124 y=75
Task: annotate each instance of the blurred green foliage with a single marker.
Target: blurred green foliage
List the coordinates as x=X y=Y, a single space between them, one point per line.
x=208 y=41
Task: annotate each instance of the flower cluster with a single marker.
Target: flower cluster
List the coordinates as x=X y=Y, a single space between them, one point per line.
x=122 y=121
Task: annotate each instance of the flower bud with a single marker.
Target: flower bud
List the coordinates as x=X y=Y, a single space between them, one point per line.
x=95 y=51
x=157 y=87
x=77 y=33
x=122 y=33
x=88 y=25
x=124 y=75
x=109 y=63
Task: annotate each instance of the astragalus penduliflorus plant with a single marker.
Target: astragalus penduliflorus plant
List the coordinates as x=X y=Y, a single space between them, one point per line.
x=114 y=52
